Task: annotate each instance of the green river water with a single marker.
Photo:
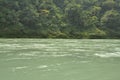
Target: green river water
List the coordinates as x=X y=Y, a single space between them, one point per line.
x=59 y=59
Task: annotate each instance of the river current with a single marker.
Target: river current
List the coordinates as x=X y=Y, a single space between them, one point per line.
x=59 y=59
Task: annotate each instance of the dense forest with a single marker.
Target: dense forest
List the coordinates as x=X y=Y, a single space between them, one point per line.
x=60 y=18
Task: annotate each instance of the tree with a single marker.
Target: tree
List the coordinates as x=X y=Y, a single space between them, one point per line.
x=111 y=21
x=73 y=14
x=59 y=18
x=109 y=4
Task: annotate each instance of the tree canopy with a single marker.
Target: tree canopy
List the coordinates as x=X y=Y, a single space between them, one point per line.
x=60 y=18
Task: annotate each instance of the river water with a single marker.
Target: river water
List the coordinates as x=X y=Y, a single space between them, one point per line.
x=59 y=59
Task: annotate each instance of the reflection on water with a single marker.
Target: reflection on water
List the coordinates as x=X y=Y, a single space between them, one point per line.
x=59 y=59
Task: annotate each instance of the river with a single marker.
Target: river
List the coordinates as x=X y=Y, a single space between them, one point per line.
x=59 y=59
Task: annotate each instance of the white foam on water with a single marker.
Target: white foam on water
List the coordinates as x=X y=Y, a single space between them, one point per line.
x=32 y=46
x=19 y=68
x=55 y=55
x=10 y=45
x=77 y=50
x=23 y=67
x=39 y=45
x=55 y=49
x=108 y=55
x=5 y=45
x=62 y=55
x=42 y=66
x=49 y=70
x=29 y=54
x=84 y=61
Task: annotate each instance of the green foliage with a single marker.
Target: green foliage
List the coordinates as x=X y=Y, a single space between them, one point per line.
x=111 y=21
x=60 y=18
x=109 y=4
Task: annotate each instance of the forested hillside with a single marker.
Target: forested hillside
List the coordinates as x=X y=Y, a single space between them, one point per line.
x=60 y=18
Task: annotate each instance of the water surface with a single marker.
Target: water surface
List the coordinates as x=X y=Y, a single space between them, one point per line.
x=59 y=59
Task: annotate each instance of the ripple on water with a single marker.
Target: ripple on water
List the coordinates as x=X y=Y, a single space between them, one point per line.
x=17 y=59
x=28 y=54
x=19 y=68
x=108 y=55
